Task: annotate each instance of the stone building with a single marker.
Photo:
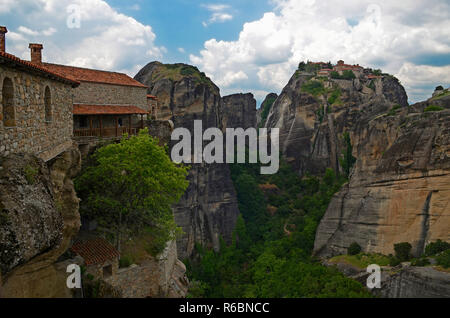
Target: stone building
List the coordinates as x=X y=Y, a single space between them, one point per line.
x=152 y=103
x=35 y=107
x=106 y=104
x=100 y=257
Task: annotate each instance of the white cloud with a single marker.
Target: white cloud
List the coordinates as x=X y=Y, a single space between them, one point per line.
x=106 y=39
x=218 y=13
x=181 y=50
x=386 y=35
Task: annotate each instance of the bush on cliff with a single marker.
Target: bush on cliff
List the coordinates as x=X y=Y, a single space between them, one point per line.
x=354 y=249
x=443 y=259
x=436 y=247
x=403 y=251
x=130 y=186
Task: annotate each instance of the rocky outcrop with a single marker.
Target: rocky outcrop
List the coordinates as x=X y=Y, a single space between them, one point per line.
x=39 y=216
x=399 y=189
x=263 y=111
x=399 y=186
x=239 y=111
x=208 y=210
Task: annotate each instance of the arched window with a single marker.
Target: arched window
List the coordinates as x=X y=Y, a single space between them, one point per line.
x=48 y=104
x=9 y=116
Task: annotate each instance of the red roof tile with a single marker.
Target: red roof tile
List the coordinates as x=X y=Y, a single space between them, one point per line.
x=95 y=251
x=151 y=96
x=94 y=76
x=82 y=109
x=42 y=70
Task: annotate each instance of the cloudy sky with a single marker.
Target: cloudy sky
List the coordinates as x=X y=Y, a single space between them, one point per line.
x=243 y=45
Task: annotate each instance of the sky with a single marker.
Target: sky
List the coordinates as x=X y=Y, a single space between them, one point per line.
x=242 y=45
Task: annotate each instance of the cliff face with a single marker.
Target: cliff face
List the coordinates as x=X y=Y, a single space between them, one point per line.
x=208 y=210
x=39 y=216
x=398 y=189
x=239 y=110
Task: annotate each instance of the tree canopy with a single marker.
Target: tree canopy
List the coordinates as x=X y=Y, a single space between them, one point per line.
x=130 y=187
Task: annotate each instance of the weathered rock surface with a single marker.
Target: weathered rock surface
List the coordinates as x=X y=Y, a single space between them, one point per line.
x=267 y=103
x=399 y=190
x=39 y=210
x=208 y=210
x=239 y=111
x=399 y=186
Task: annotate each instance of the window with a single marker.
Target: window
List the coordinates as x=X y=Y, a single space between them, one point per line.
x=9 y=116
x=107 y=271
x=48 y=104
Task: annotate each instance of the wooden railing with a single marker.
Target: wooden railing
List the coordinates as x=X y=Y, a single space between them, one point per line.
x=106 y=132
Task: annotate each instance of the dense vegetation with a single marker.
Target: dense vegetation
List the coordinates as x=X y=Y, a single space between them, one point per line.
x=129 y=187
x=270 y=255
x=266 y=106
x=346 y=75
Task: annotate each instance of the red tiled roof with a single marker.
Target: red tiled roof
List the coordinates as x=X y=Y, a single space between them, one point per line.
x=95 y=251
x=82 y=109
x=151 y=96
x=42 y=70
x=94 y=76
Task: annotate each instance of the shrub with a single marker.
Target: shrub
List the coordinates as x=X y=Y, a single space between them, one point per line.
x=393 y=261
x=439 y=88
x=334 y=96
x=423 y=261
x=354 y=249
x=377 y=72
x=433 y=108
x=30 y=174
x=403 y=251
x=443 y=259
x=313 y=87
x=125 y=261
x=436 y=247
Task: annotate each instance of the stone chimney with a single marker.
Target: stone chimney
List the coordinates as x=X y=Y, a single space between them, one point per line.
x=3 y=31
x=36 y=53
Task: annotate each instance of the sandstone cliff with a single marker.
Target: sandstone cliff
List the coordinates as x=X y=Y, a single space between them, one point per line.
x=39 y=216
x=208 y=210
x=239 y=110
x=399 y=185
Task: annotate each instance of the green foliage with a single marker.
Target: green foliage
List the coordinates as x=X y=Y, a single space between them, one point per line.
x=439 y=88
x=377 y=72
x=423 y=261
x=394 y=261
x=302 y=66
x=403 y=251
x=266 y=106
x=354 y=249
x=436 y=247
x=443 y=259
x=130 y=186
x=263 y=260
x=334 y=96
x=393 y=110
x=346 y=75
x=125 y=261
x=433 y=108
x=313 y=87
x=312 y=68
x=362 y=260
x=30 y=173
x=372 y=85
x=347 y=160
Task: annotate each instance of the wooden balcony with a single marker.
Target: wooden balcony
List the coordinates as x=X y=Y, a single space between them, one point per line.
x=106 y=132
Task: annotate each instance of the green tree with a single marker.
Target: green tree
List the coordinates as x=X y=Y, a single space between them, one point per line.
x=354 y=249
x=347 y=160
x=436 y=247
x=130 y=186
x=403 y=251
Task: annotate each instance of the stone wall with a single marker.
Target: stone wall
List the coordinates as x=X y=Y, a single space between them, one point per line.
x=31 y=133
x=108 y=94
x=160 y=277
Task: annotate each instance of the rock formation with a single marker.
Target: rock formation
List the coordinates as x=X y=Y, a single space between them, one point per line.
x=208 y=210
x=39 y=216
x=239 y=110
x=399 y=185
